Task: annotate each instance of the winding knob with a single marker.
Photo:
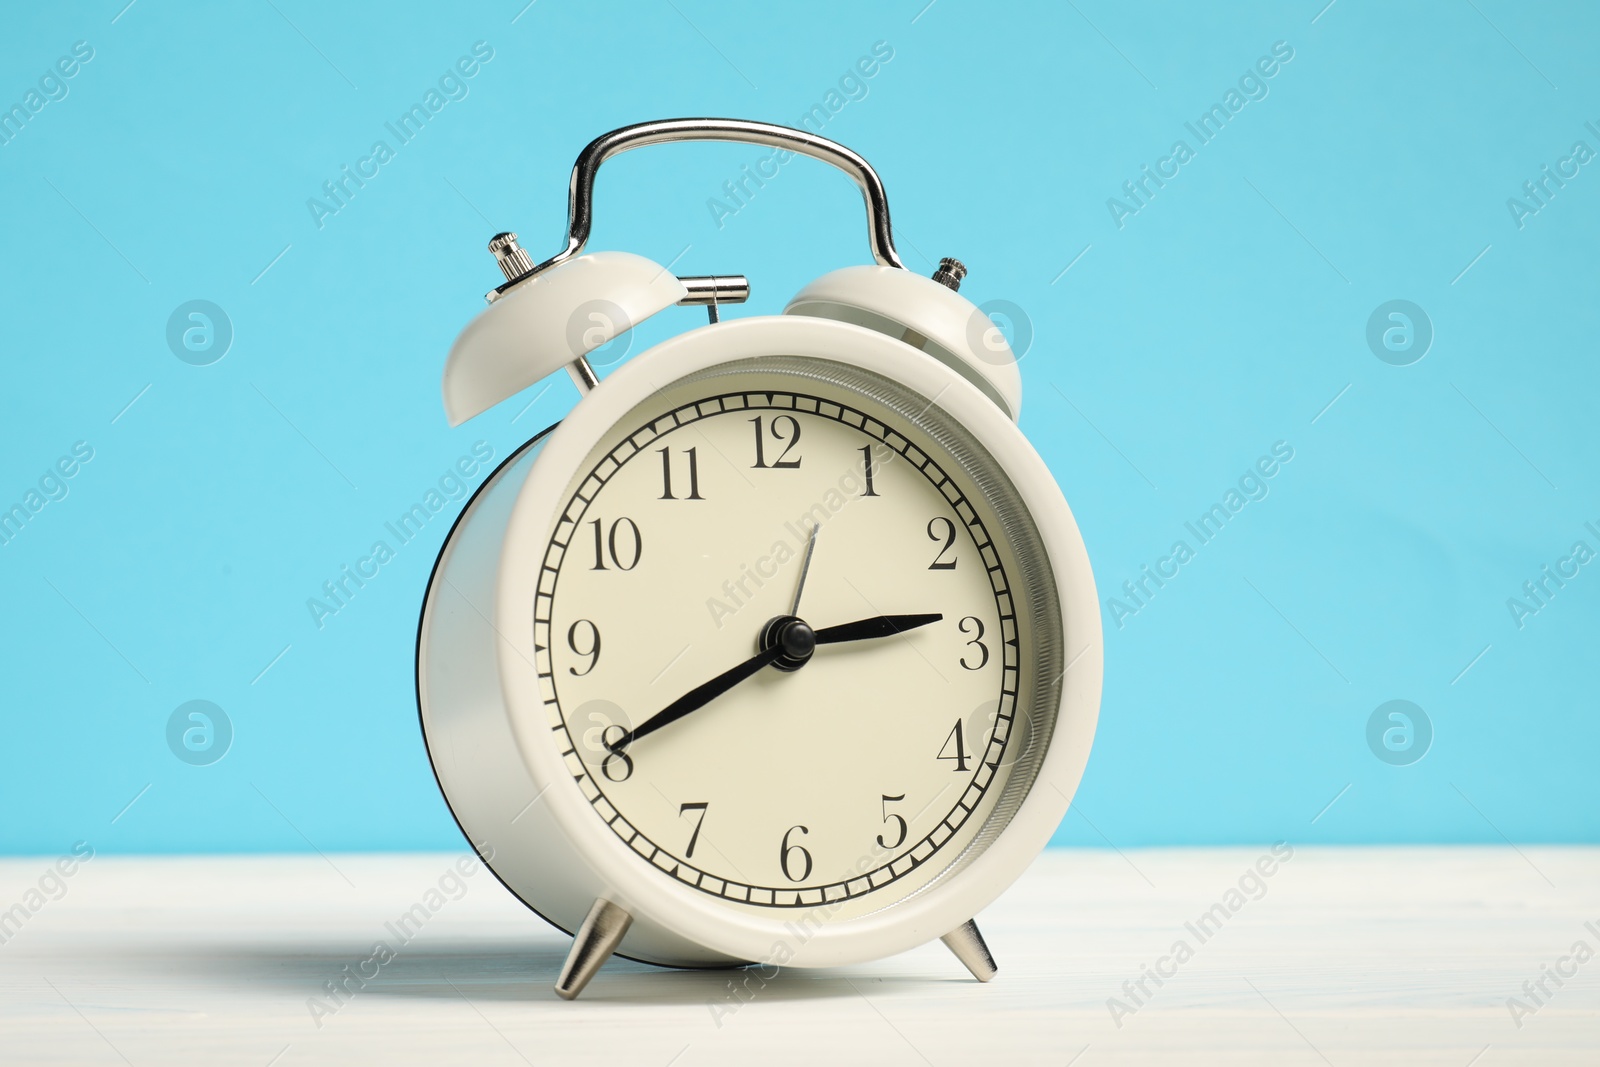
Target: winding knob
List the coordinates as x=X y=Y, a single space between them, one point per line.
x=513 y=259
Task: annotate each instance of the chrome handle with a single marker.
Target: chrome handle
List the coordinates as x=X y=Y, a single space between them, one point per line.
x=580 y=211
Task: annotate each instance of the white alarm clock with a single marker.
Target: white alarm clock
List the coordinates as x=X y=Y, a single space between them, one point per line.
x=783 y=646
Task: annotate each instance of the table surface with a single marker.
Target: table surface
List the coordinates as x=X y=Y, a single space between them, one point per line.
x=1341 y=956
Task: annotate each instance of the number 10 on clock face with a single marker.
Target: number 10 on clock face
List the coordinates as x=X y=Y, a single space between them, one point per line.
x=837 y=580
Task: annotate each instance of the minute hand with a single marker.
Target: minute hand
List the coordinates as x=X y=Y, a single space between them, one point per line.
x=702 y=695
x=877 y=626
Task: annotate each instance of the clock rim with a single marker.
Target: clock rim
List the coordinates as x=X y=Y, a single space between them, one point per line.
x=727 y=930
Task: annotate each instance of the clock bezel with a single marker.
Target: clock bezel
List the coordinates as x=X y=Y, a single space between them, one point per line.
x=749 y=934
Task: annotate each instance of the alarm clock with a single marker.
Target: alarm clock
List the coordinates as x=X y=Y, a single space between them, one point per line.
x=783 y=646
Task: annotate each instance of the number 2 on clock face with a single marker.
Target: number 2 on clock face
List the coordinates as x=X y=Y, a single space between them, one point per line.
x=840 y=779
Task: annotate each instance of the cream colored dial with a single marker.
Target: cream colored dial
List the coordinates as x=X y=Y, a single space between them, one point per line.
x=877 y=762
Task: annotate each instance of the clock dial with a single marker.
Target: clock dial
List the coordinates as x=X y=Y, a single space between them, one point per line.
x=794 y=638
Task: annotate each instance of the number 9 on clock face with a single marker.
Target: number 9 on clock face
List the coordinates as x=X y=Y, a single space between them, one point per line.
x=846 y=588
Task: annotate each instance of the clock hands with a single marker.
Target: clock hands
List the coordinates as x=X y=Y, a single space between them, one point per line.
x=787 y=643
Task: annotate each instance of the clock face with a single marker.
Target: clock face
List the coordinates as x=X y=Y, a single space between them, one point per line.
x=796 y=638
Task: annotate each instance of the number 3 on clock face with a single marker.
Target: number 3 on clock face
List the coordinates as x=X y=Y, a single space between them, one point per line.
x=857 y=538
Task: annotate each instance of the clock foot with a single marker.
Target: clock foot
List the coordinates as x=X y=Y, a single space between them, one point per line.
x=967 y=944
x=597 y=939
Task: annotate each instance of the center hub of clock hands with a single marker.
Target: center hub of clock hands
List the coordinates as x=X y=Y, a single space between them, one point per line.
x=795 y=639
x=786 y=642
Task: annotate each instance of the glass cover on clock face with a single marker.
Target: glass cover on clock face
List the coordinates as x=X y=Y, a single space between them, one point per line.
x=797 y=638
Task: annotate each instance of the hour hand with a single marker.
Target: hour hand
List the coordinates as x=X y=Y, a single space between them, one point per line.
x=877 y=626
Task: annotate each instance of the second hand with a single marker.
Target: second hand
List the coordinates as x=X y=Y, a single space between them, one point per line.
x=805 y=568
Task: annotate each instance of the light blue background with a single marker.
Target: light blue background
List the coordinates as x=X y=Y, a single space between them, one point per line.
x=1223 y=317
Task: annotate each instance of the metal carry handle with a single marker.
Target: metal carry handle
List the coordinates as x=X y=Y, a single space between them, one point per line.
x=580 y=211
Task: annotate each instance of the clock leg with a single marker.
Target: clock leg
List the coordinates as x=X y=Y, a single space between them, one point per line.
x=967 y=944
x=597 y=939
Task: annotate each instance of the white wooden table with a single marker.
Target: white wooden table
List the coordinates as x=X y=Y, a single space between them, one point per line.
x=1395 y=955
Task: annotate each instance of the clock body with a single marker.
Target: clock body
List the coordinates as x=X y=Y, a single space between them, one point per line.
x=873 y=798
